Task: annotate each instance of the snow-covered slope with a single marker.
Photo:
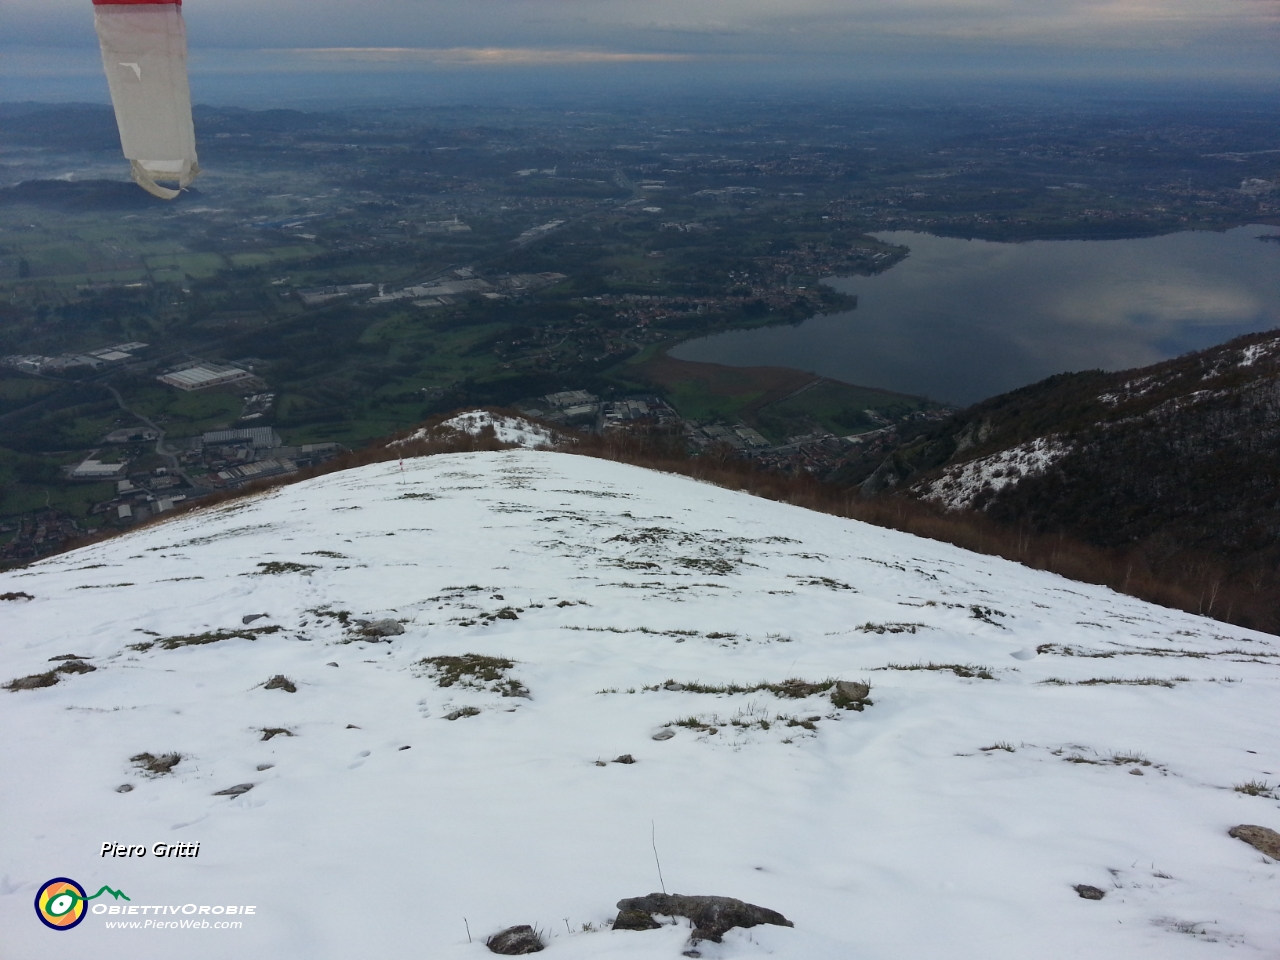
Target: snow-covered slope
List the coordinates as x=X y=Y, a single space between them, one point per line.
x=378 y=827
x=513 y=430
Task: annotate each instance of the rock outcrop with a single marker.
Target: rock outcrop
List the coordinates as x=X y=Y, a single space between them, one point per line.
x=515 y=941
x=711 y=916
x=1263 y=839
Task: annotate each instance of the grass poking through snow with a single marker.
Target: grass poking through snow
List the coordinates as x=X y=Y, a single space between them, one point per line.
x=475 y=671
x=967 y=670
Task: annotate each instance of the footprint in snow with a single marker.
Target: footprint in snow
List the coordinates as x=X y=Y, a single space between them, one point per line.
x=7 y=887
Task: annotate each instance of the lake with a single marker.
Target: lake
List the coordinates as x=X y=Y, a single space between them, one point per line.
x=960 y=320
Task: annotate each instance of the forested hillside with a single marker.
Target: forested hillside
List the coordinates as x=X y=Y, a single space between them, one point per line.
x=1175 y=462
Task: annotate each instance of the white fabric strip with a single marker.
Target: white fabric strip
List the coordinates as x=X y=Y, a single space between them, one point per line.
x=144 y=53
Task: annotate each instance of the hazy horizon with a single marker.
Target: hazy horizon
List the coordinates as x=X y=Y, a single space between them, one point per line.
x=325 y=51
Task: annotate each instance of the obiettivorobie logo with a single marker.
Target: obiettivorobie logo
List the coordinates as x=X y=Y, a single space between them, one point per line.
x=61 y=902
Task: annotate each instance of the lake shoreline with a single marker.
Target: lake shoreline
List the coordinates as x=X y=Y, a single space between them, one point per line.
x=959 y=320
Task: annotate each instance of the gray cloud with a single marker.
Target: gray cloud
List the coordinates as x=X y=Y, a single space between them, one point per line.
x=1203 y=32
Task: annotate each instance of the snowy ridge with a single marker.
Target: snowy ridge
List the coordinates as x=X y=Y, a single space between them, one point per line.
x=1229 y=361
x=516 y=430
x=960 y=485
x=1024 y=733
x=1246 y=357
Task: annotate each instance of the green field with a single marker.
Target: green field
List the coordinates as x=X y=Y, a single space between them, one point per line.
x=185 y=414
x=196 y=265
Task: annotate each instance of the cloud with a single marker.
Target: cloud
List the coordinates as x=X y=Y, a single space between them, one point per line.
x=1222 y=34
x=474 y=56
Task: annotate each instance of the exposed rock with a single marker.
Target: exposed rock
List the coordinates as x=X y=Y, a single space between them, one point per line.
x=625 y=758
x=249 y=618
x=852 y=689
x=634 y=920
x=125 y=788
x=1263 y=839
x=69 y=656
x=974 y=433
x=515 y=941
x=664 y=735
x=1136 y=772
x=850 y=694
x=235 y=791
x=1089 y=893
x=711 y=916
x=280 y=682
x=381 y=628
x=890 y=473
x=76 y=666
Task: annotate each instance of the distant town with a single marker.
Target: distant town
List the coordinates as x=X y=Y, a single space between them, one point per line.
x=348 y=275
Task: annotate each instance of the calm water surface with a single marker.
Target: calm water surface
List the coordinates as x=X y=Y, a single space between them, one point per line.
x=960 y=320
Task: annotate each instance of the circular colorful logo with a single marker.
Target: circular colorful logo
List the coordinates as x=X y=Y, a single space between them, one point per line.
x=60 y=903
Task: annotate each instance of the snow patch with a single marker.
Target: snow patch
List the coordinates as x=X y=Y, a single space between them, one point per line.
x=1257 y=351
x=516 y=430
x=959 y=486
x=1130 y=390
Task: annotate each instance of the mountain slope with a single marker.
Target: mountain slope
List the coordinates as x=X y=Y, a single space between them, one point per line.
x=589 y=585
x=1182 y=455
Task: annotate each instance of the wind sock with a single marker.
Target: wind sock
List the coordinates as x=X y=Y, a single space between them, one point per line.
x=144 y=52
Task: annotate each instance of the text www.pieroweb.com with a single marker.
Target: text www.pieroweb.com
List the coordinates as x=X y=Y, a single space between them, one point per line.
x=203 y=918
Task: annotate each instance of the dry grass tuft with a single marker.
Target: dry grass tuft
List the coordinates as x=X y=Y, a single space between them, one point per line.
x=966 y=670
x=475 y=671
x=1255 y=788
x=156 y=766
x=47 y=679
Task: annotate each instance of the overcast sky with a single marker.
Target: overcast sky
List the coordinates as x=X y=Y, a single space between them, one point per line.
x=1233 y=39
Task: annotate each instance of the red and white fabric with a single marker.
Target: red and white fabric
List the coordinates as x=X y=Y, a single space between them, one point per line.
x=144 y=53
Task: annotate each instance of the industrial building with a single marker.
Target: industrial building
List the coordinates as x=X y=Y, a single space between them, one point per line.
x=202 y=375
x=97 y=471
x=257 y=437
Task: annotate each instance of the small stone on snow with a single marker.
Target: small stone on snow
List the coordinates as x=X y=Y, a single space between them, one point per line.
x=515 y=941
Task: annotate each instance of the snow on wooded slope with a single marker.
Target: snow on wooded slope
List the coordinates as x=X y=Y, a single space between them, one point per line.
x=885 y=833
x=961 y=484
